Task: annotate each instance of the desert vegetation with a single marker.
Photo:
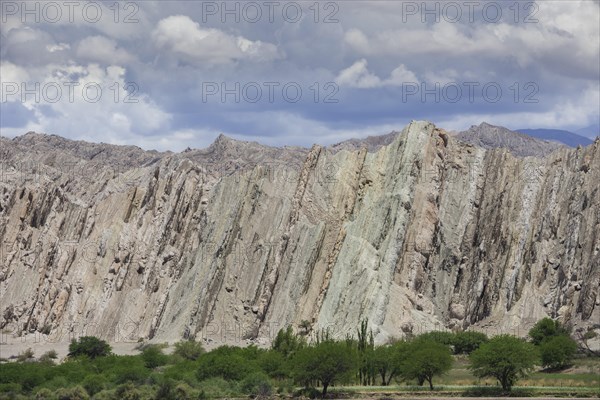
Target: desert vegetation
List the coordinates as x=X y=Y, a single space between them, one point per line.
x=293 y=367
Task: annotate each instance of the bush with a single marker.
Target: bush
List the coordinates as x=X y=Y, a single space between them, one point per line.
x=74 y=393
x=506 y=358
x=94 y=384
x=49 y=357
x=287 y=342
x=188 y=349
x=441 y=337
x=154 y=357
x=44 y=394
x=25 y=355
x=557 y=352
x=467 y=342
x=545 y=329
x=89 y=346
x=218 y=388
x=256 y=384
x=183 y=391
x=128 y=392
x=227 y=362
x=273 y=363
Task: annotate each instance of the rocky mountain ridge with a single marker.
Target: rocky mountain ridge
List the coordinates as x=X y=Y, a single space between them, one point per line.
x=419 y=231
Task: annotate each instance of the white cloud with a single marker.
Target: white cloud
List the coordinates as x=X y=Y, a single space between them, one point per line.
x=358 y=76
x=57 y=47
x=12 y=73
x=185 y=38
x=103 y=50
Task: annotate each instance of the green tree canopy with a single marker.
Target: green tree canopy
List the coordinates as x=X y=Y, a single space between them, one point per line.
x=504 y=357
x=188 y=349
x=89 y=346
x=556 y=352
x=426 y=359
x=327 y=362
x=467 y=342
x=545 y=329
x=153 y=356
x=388 y=360
x=287 y=342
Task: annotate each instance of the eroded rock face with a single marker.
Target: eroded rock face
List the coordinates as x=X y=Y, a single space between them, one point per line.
x=235 y=241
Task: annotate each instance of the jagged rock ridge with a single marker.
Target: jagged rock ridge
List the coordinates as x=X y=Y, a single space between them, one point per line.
x=422 y=233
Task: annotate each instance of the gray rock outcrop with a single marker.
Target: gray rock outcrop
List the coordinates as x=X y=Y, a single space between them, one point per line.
x=233 y=242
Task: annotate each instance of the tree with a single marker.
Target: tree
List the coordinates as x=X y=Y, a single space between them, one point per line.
x=441 y=337
x=153 y=356
x=467 y=342
x=504 y=357
x=89 y=346
x=188 y=349
x=226 y=362
x=327 y=362
x=287 y=342
x=557 y=352
x=388 y=360
x=366 y=345
x=545 y=329
x=426 y=359
x=273 y=363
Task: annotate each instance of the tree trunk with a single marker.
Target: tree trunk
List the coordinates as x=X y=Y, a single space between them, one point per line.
x=430 y=383
x=325 y=389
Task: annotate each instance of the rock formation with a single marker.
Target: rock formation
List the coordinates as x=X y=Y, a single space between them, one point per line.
x=229 y=244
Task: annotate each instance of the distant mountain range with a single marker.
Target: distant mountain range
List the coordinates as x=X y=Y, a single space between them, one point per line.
x=590 y=132
x=556 y=135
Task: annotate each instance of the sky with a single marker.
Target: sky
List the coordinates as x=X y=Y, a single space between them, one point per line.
x=172 y=75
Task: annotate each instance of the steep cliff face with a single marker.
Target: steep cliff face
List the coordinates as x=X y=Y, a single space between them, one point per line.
x=231 y=243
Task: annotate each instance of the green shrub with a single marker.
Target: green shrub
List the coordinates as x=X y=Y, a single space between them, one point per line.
x=183 y=391
x=227 y=362
x=273 y=363
x=44 y=394
x=10 y=388
x=256 y=384
x=154 y=357
x=218 y=388
x=74 y=393
x=188 y=349
x=89 y=346
x=441 y=337
x=49 y=357
x=106 y=395
x=128 y=391
x=287 y=342
x=557 y=352
x=467 y=342
x=165 y=390
x=94 y=384
x=25 y=355
x=545 y=329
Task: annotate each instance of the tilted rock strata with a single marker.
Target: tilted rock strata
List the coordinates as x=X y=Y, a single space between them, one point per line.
x=423 y=233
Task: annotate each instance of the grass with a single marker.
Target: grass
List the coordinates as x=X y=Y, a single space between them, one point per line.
x=580 y=380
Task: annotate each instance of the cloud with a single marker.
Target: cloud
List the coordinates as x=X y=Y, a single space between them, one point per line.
x=103 y=50
x=184 y=38
x=172 y=50
x=358 y=76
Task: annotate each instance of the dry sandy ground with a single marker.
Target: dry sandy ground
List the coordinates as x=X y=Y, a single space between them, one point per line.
x=40 y=344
